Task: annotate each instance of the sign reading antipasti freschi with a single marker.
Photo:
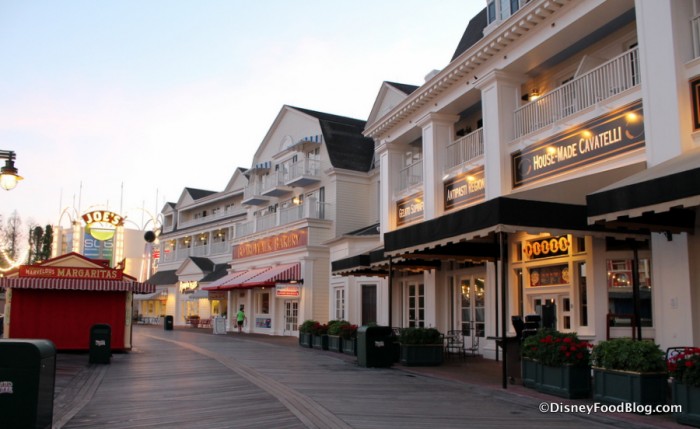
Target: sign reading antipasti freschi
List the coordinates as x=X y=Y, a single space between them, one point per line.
x=617 y=132
x=465 y=188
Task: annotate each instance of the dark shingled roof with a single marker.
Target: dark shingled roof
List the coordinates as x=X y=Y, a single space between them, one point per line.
x=406 y=89
x=473 y=33
x=204 y=264
x=198 y=193
x=220 y=270
x=347 y=147
x=167 y=277
x=368 y=230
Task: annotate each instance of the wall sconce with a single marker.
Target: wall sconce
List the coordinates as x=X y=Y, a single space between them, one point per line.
x=8 y=173
x=296 y=200
x=532 y=96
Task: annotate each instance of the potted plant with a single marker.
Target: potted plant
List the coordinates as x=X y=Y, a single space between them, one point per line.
x=683 y=364
x=348 y=337
x=421 y=346
x=557 y=363
x=627 y=370
x=319 y=336
x=334 y=341
x=305 y=333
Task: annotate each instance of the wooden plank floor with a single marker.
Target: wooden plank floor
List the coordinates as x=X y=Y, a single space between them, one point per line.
x=183 y=379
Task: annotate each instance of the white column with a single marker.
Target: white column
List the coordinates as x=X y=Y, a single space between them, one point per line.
x=500 y=95
x=438 y=132
x=390 y=164
x=663 y=51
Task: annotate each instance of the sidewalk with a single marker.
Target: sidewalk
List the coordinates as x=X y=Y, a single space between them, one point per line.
x=191 y=378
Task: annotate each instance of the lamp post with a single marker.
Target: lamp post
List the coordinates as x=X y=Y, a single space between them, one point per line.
x=8 y=173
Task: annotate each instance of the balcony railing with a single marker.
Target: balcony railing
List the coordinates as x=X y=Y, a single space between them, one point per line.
x=220 y=215
x=304 y=172
x=695 y=23
x=410 y=176
x=211 y=249
x=287 y=215
x=464 y=149
x=611 y=78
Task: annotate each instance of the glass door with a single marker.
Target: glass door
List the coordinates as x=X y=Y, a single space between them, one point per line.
x=415 y=303
x=291 y=316
x=473 y=293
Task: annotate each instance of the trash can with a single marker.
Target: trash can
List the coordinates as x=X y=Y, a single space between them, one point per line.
x=168 y=324
x=375 y=346
x=512 y=358
x=100 y=343
x=27 y=381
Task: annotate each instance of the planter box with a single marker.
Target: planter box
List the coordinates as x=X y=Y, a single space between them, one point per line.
x=319 y=342
x=421 y=354
x=305 y=339
x=616 y=387
x=335 y=344
x=566 y=381
x=687 y=397
x=349 y=346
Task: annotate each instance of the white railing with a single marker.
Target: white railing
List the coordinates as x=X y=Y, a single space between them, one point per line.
x=617 y=75
x=220 y=215
x=287 y=215
x=695 y=23
x=305 y=167
x=410 y=176
x=253 y=189
x=219 y=247
x=272 y=181
x=465 y=149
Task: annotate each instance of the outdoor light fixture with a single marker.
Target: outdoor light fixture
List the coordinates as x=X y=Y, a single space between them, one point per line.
x=8 y=173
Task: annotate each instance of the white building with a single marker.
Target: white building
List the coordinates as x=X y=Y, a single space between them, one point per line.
x=551 y=167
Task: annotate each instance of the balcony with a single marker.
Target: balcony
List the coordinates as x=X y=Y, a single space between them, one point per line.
x=410 y=176
x=202 y=250
x=603 y=82
x=304 y=173
x=464 y=150
x=274 y=185
x=252 y=194
x=216 y=216
x=285 y=216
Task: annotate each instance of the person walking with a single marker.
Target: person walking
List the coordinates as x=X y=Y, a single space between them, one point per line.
x=240 y=318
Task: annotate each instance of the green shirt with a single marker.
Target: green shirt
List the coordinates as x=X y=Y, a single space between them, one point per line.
x=240 y=316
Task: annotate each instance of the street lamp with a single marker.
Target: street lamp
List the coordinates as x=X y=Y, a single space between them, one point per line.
x=8 y=173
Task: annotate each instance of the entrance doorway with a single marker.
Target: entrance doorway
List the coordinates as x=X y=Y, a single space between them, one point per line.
x=415 y=304
x=369 y=304
x=291 y=317
x=555 y=310
x=473 y=297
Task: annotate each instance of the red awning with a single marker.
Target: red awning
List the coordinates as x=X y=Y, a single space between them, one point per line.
x=76 y=284
x=266 y=276
x=279 y=273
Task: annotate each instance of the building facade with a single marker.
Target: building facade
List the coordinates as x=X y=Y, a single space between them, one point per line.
x=505 y=178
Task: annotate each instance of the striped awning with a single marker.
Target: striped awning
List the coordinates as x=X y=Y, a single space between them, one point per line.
x=265 y=276
x=76 y=284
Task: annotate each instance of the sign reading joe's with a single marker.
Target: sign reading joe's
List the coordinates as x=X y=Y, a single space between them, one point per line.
x=617 y=132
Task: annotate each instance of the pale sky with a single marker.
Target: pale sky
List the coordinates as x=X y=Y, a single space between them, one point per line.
x=137 y=100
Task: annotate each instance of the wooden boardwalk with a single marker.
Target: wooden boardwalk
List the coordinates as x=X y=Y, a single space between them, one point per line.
x=189 y=379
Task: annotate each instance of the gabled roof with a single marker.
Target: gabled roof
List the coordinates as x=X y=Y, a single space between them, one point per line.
x=167 y=277
x=220 y=270
x=347 y=147
x=405 y=88
x=204 y=264
x=473 y=33
x=198 y=193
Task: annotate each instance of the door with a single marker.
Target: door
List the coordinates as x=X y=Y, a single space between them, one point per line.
x=291 y=317
x=369 y=304
x=554 y=309
x=473 y=294
x=415 y=304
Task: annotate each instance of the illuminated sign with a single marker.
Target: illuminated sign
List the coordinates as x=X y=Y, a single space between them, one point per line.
x=546 y=247
x=70 y=272
x=613 y=134
x=465 y=188
x=550 y=276
x=101 y=224
x=409 y=209
x=284 y=241
x=188 y=287
x=287 y=291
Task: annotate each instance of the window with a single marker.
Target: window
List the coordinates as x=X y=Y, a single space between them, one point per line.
x=582 y=294
x=501 y=9
x=339 y=303
x=416 y=305
x=262 y=304
x=620 y=293
x=369 y=304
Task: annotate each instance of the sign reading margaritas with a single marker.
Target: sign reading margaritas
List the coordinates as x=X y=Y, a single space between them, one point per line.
x=617 y=132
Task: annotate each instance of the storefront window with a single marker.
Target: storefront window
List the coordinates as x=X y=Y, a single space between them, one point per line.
x=582 y=294
x=263 y=303
x=620 y=294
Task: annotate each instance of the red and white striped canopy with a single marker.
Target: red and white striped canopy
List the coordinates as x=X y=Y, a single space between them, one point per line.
x=76 y=284
x=266 y=276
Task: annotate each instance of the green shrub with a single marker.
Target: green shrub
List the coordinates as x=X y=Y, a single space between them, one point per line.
x=335 y=326
x=626 y=354
x=554 y=348
x=420 y=336
x=305 y=328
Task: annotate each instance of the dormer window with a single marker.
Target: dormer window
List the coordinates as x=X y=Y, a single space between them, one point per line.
x=500 y=10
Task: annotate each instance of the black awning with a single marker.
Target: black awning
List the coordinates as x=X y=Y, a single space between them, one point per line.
x=660 y=198
x=351 y=263
x=490 y=216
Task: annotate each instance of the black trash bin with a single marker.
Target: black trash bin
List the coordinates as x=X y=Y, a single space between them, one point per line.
x=375 y=346
x=168 y=324
x=100 y=343
x=27 y=381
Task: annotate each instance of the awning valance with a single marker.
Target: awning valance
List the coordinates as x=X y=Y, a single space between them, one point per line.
x=76 y=284
x=657 y=198
x=155 y=296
